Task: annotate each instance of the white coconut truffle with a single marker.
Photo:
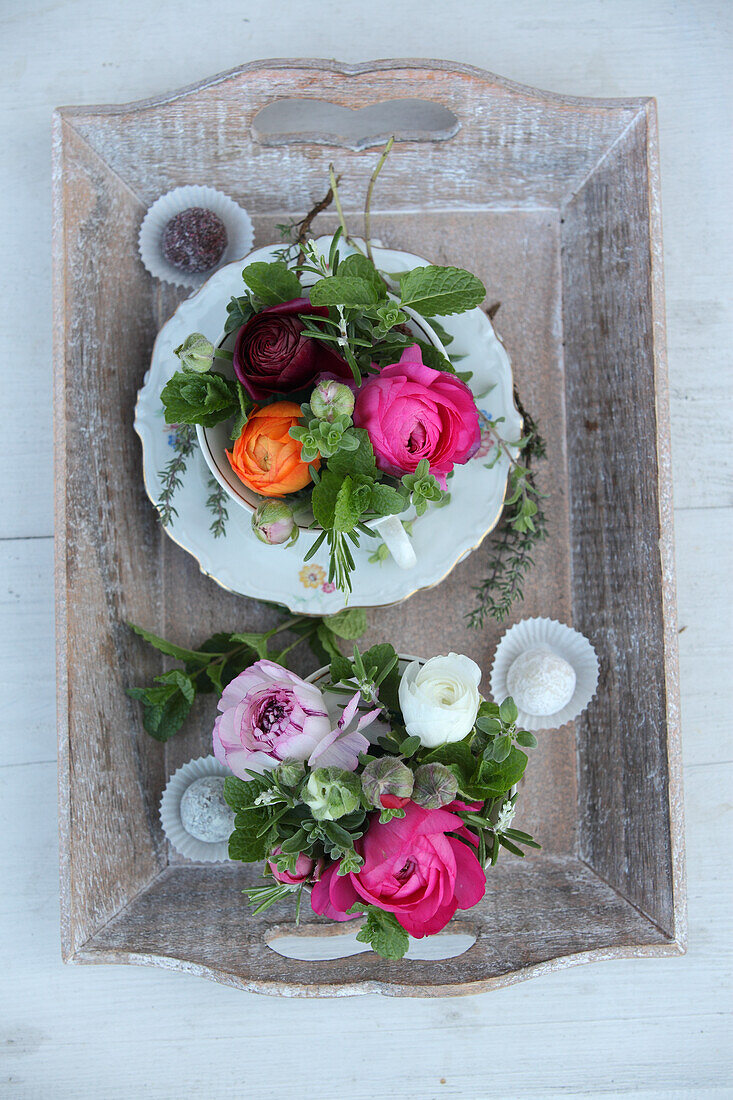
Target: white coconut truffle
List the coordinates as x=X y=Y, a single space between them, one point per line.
x=204 y=811
x=541 y=682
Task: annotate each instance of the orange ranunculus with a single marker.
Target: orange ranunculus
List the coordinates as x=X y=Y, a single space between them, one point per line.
x=265 y=458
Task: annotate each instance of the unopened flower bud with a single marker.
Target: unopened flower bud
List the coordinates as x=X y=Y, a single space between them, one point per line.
x=331 y=399
x=331 y=793
x=387 y=783
x=435 y=786
x=196 y=353
x=273 y=522
x=290 y=772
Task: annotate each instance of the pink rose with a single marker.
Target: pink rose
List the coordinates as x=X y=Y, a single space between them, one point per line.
x=413 y=412
x=268 y=715
x=412 y=868
x=305 y=869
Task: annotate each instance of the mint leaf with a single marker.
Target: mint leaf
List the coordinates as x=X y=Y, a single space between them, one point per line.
x=168 y=648
x=323 y=500
x=179 y=679
x=493 y=778
x=347 y=509
x=246 y=848
x=240 y=794
x=361 y=461
x=440 y=290
x=341 y=669
x=272 y=283
x=239 y=311
x=383 y=932
x=360 y=267
x=164 y=709
x=204 y=399
x=338 y=290
x=349 y=623
x=386 y=501
x=326 y=638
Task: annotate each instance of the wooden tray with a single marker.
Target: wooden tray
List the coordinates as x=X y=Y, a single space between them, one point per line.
x=553 y=201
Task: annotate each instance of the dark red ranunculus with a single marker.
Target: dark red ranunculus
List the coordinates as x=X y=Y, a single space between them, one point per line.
x=271 y=354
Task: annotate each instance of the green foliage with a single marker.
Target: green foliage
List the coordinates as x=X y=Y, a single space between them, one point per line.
x=272 y=284
x=382 y=931
x=168 y=700
x=183 y=443
x=239 y=311
x=351 y=291
x=440 y=290
x=423 y=487
x=325 y=438
x=523 y=527
x=204 y=399
x=360 y=267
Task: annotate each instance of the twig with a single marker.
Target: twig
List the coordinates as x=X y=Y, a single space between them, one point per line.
x=367 y=205
x=304 y=226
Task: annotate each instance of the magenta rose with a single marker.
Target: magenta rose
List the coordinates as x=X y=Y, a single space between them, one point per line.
x=413 y=412
x=412 y=868
x=305 y=869
x=268 y=715
x=272 y=355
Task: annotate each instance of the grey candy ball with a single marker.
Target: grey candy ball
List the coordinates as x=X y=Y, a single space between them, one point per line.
x=204 y=811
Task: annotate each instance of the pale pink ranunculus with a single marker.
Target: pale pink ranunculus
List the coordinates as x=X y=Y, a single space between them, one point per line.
x=411 y=412
x=268 y=715
x=305 y=869
x=412 y=868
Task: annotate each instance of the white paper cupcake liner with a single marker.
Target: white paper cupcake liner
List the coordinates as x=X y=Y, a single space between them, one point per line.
x=240 y=232
x=170 y=812
x=566 y=643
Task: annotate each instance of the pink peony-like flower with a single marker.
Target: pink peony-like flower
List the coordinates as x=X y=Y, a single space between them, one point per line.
x=412 y=412
x=305 y=869
x=412 y=868
x=268 y=715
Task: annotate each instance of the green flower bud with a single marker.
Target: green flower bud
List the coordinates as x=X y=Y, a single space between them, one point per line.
x=331 y=399
x=273 y=522
x=387 y=783
x=331 y=793
x=290 y=772
x=196 y=353
x=435 y=786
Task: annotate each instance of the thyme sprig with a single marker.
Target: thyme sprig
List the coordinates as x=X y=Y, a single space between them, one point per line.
x=215 y=502
x=184 y=438
x=523 y=526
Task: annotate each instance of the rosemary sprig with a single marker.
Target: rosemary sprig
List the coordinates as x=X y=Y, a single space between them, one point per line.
x=523 y=526
x=183 y=443
x=215 y=502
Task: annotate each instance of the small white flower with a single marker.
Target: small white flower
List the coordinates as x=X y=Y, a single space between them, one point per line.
x=267 y=798
x=440 y=700
x=505 y=818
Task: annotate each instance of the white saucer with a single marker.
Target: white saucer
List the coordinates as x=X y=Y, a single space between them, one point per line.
x=239 y=561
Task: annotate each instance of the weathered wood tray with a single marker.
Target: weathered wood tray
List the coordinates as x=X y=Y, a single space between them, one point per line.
x=554 y=203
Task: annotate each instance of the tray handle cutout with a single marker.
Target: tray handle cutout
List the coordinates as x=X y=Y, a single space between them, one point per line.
x=289 y=120
x=306 y=946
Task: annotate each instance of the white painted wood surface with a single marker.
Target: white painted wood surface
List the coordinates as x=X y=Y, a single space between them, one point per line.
x=646 y=1028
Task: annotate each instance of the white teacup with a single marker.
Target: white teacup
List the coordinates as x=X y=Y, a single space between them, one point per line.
x=216 y=441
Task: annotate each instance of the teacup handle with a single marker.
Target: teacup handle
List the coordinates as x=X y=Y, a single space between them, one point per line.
x=396 y=540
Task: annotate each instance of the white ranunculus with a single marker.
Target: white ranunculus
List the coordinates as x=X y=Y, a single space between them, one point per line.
x=440 y=699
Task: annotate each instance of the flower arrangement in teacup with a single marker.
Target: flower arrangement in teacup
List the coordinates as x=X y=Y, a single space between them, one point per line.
x=335 y=405
x=393 y=806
